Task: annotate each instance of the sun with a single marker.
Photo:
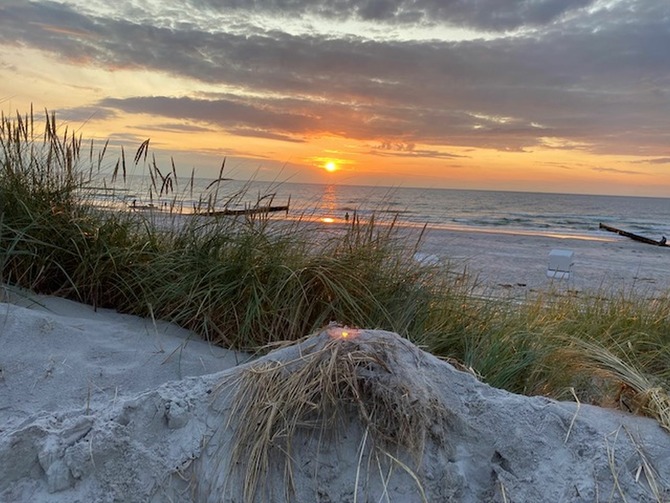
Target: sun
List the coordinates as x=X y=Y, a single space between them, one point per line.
x=330 y=166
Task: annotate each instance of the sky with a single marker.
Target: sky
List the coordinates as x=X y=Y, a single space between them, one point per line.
x=531 y=95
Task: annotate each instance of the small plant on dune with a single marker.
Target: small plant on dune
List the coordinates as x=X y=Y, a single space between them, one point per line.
x=338 y=378
x=622 y=382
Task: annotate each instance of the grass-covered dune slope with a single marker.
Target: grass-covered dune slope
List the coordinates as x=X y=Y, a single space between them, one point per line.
x=249 y=281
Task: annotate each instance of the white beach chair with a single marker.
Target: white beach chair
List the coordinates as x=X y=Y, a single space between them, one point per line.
x=560 y=264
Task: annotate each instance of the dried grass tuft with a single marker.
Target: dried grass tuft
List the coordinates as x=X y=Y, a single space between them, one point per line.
x=634 y=390
x=316 y=392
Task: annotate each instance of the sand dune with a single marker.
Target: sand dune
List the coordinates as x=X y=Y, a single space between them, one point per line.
x=97 y=406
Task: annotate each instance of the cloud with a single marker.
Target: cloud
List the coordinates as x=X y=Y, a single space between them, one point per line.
x=239 y=114
x=86 y=114
x=481 y=14
x=422 y=153
x=390 y=149
x=599 y=79
x=177 y=128
x=122 y=139
x=617 y=171
x=658 y=160
x=257 y=133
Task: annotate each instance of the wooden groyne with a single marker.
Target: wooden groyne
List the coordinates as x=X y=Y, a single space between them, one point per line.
x=262 y=206
x=255 y=210
x=636 y=237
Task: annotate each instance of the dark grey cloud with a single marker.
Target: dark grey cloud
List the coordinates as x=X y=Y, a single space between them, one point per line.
x=615 y=170
x=124 y=139
x=600 y=80
x=86 y=113
x=479 y=14
x=263 y=133
x=659 y=160
x=408 y=150
x=226 y=113
x=178 y=128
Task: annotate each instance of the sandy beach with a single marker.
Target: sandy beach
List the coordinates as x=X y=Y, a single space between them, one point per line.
x=99 y=406
x=517 y=263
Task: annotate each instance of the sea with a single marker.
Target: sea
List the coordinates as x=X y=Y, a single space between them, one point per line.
x=545 y=214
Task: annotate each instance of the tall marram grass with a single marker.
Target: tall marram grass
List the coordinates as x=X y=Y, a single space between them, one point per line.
x=247 y=282
x=41 y=220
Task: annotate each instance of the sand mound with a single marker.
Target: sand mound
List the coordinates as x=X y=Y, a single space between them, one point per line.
x=369 y=417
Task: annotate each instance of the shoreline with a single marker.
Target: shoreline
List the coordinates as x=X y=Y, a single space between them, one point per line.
x=384 y=219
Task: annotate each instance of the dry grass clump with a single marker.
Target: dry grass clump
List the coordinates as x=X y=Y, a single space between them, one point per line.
x=623 y=384
x=315 y=393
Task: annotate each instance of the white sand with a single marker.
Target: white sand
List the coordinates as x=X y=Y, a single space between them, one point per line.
x=517 y=263
x=58 y=354
x=97 y=406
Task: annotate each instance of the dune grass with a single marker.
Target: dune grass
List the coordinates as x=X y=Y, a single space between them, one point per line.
x=246 y=282
x=237 y=281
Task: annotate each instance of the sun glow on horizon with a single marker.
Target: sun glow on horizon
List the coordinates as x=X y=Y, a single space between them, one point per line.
x=330 y=166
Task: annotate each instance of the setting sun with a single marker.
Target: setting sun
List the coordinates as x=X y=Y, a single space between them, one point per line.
x=497 y=126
